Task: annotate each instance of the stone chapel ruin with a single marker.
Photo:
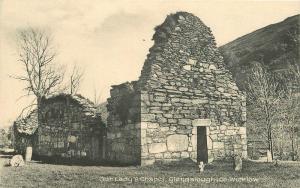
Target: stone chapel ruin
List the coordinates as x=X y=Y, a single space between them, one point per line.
x=69 y=129
x=184 y=105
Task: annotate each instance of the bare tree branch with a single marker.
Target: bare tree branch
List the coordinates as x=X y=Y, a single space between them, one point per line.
x=97 y=96
x=265 y=96
x=37 y=56
x=75 y=79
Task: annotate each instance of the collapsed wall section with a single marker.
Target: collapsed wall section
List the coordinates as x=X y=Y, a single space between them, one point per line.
x=123 y=125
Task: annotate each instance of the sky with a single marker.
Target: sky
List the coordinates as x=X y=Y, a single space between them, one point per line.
x=109 y=39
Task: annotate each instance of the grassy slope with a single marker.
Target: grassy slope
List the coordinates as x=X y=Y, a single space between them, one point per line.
x=47 y=175
x=275 y=45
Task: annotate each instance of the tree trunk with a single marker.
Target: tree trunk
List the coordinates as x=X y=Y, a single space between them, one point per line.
x=37 y=141
x=293 y=146
x=270 y=141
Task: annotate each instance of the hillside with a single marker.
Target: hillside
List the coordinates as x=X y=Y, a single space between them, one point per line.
x=276 y=46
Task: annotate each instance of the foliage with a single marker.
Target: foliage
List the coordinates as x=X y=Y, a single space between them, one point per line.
x=264 y=94
x=4 y=138
x=124 y=105
x=289 y=117
x=274 y=109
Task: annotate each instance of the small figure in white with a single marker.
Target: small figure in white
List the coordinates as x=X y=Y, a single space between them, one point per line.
x=201 y=166
x=237 y=163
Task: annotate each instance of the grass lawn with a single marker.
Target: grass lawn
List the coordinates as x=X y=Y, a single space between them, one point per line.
x=176 y=174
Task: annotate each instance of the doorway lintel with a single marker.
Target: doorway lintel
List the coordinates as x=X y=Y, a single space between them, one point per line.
x=201 y=122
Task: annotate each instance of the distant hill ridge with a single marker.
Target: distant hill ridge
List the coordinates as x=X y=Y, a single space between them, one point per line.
x=276 y=46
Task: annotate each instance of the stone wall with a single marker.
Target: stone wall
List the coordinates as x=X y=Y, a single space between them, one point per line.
x=123 y=125
x=183 y=85
x=24 y=132
x=22 y=141
x=69 y=129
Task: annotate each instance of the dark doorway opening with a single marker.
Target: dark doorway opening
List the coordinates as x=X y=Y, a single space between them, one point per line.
x=202 y=153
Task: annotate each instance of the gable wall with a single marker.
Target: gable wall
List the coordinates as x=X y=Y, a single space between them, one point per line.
x=184 y=80
x=184 y=84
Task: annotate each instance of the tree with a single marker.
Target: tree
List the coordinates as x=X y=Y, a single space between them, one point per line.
x=75 y=80
x=4 y=138
x=290 y=106
x=37 y=55
x=97 y=96
x=264 y=96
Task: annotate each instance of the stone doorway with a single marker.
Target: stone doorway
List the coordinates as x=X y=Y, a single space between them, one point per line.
x=202 y=151
x=95 y=148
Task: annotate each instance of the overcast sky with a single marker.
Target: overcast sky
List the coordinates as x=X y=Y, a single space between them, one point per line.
x=110 y=39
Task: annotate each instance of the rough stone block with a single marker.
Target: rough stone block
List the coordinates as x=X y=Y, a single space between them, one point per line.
x=170 y=87
x=16 y=161
x=157 y=147
x=143 y=132
x=184 y=122
x=218 y=145
x=149 y=140
x=148 y=117
x=187 y=67
x=153 y=125
x=173 y=128
x=221 y=89
x=60 y=144
x=168 y=115
x=177 y=142
x=183 y=89
x=143 y=125
x=229 y=132
x=172 y=120
x=167 y=155
x=199 y=101
x=160 y=99
x=223 y=127
x=164 y=129
x=212 y=67
x=185 y=155
x=194 y=142
x=192 y=61
x=176 y=155
x=242 y=131
x=183 y=131
x=144 y=148
x=194 y=130
x=158 y=155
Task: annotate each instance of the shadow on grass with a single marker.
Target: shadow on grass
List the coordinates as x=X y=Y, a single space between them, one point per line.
x=76 y=162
